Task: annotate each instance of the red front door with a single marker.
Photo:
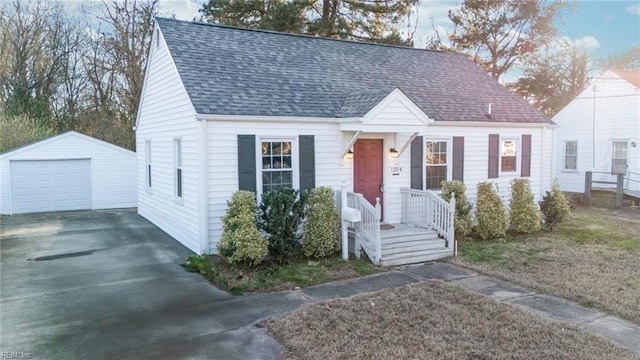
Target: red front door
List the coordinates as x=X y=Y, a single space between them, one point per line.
x=367 y=169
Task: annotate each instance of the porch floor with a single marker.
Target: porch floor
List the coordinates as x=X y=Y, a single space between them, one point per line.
x=406 y=244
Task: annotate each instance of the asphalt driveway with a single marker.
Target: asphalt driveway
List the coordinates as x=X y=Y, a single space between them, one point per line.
x=108 y=284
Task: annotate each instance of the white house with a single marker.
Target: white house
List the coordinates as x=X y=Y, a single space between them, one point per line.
x=225 y=108
x=599 y=131
x=70 y=171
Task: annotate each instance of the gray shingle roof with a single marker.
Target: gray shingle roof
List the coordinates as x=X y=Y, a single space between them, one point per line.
x=233 y=71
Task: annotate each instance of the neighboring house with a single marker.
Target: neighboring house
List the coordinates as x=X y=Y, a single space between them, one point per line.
x=599 y=131
x=225 y=108
x=70 y=171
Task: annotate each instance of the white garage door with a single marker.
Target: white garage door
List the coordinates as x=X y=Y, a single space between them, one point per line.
x=50 y=185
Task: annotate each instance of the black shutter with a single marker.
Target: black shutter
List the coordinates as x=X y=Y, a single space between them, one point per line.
x=526 y=156
x=247 y=162
x=458 y=158
x=307 y=156
x=494 y=157
x=417 y=163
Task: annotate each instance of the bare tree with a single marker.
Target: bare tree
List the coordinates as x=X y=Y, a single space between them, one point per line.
x=33 y=57
x=115 y=64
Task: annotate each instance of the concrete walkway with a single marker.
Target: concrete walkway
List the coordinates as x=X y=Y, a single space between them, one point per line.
x=616 y=330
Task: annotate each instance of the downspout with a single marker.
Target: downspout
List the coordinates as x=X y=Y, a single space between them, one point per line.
x=203 y=189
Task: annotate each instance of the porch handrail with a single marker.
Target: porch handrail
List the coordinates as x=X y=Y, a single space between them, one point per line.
x=368 y=229
x=426 y=209
x=631 y=177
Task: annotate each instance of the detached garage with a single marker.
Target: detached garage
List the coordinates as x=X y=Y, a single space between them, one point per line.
x=70 y=171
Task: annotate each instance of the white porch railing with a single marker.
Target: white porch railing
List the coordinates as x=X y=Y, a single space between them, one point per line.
x=632 y=180
x=367 y=231
x=428 y=210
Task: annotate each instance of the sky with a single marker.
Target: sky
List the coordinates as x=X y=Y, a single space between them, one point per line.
x=601 y=27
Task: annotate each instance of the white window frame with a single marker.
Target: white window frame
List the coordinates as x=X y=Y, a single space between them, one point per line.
x=516 y=171
x=178 y=175
x=564 y=157
x=294 y=161
x=449 y=164
x=147 y=165
x=613 y=152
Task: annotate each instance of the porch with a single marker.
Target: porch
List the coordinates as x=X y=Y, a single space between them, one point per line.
x=425 y=232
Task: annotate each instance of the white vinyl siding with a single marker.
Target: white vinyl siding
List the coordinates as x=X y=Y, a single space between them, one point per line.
x=595 y=123
x=222 y=137
x=570 y=156
x=112 y=171
x=166 y=114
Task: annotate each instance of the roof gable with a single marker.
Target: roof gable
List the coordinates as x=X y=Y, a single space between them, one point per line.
x=63 y=136
x=233 y=71
x=394 y=104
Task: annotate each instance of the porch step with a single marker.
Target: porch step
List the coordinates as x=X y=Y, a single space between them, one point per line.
x=419 y=236
x=415 y=257
x=411 y=246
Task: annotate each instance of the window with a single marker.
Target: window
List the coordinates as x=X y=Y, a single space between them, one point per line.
x=571 y=155
x=277 y=169
x=437 y=164
x=619 y=158
x=177 y=153
x=508 y=156
x=147 y=152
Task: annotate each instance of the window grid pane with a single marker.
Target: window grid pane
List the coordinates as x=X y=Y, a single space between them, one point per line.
x=508 y=163
x=571 y=155
x=436 y=161
x=276 y=166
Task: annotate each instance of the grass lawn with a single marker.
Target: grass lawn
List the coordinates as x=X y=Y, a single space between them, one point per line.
x=592 y=258
x=430 y=321
x=300 y=272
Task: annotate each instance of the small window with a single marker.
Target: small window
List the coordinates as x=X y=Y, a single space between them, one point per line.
x=177 y=150
x=147 y=151
x=571 y=155
x=436 y=163
x=508 y=156
x=277 y=169
x=619 y=158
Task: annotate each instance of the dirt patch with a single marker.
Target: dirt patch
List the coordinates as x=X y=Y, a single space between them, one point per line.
x=430 y=321
x=593 y=259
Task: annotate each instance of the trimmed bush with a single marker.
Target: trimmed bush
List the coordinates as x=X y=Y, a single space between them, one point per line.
x=20 y=130
x=322 y=229
x=241 y=240
x=492 y=218
x=279 y=215
x=523 y=211
x=463 y=222
x=554 y=207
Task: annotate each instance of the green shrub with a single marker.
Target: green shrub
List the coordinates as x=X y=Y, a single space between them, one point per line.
x=523 y=211
x=279 y=215
x=322 y=229
x=463 y=222
x=492 y=218
x=198 y=263
x=20 y=130
x=554 y=207
x=241 y=240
